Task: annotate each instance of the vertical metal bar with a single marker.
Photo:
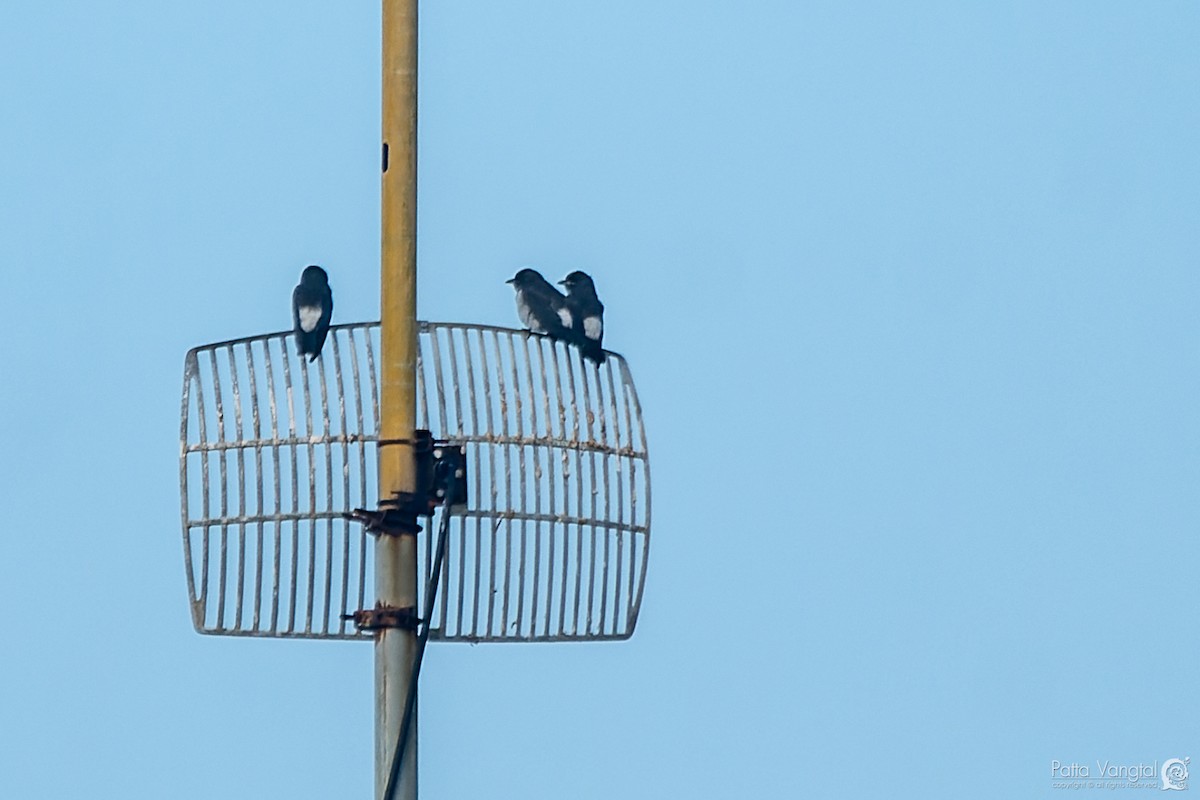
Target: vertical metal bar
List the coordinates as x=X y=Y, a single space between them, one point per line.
x=578 y=497
x=620 y=530
x=473 y=450
x=603 y=417
x=590 y=416
x=256 y=423
x=327 y=446
x=459 y=426
x=221 y=460
x=491 y=587
x=603 y=413
x=508 y=491
x=578 y=487
x=558 y=391
x=373 y=375
x=442 y=431
x=205 y=505
x=295 y=560
x=311 y=524
x=631 y=404
x=189 y=376
x=443 y=428
x=361 y=447
x=423 y=420
x=423 y=577
x=477 y=481
x=277 y=526
x=551 y=565
x=458 y=408
x=341 y=394
x=241 y=471
x=537 y=492
x=491 y=451
x=395 y=556
x=522 y=483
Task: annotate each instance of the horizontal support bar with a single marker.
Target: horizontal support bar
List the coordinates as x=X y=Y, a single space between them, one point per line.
x=581 y=445
x=515 y=516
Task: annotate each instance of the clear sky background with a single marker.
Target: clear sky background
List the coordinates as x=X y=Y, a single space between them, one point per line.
x=909 y=291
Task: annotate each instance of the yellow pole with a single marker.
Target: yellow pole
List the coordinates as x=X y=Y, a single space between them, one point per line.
x=396 y=556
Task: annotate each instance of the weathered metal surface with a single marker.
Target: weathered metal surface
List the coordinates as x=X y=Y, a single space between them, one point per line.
x=551 y=546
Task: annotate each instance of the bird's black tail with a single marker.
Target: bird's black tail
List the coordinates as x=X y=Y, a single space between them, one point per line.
x=593 y=352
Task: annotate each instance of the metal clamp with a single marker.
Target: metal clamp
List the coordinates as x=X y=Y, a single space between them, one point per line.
x=380 y=617
x=434 y=462
x=393 y=518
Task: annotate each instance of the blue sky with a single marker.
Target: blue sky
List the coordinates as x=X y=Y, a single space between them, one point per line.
x=909 y=294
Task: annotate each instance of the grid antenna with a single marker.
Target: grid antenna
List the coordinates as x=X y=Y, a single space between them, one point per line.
x=276 y=453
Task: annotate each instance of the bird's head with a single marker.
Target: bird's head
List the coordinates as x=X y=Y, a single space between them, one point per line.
x=314 y=275
x=525 y=277
x=580 y=280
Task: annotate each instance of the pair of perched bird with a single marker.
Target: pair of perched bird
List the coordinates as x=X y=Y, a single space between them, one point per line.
x=576 y=318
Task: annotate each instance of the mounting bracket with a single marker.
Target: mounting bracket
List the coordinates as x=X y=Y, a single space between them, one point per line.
x=381 y=616
x=434 y=463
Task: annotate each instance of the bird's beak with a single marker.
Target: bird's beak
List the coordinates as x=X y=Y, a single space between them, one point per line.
x=510 y=280
x=562 y=282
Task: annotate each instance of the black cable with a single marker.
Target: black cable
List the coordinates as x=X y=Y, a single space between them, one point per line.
x=410 y=702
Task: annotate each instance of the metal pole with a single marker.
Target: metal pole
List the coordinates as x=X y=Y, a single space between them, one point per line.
x=396 y=556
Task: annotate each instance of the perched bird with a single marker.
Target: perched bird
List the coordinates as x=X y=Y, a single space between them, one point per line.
x=312 y=308
x=541 y=307
x=587 y=313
